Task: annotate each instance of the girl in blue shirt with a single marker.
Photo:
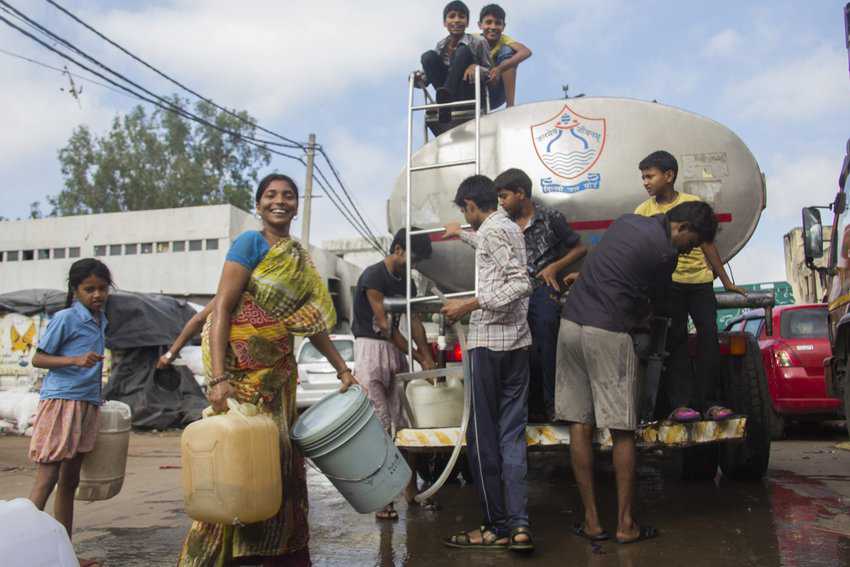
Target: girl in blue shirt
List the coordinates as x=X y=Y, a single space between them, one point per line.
x=67 y=419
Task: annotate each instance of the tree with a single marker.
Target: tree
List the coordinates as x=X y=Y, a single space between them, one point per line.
x=160 y=160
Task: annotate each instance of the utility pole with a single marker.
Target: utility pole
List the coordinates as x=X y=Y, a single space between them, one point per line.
x=308 y=193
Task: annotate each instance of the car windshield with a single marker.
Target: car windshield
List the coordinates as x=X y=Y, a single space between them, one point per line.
x=309 y=353
x=804 y=324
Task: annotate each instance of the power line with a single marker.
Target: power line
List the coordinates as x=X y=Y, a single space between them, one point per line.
x=62 y=71
x=168 y=106
x=175 y=108
x=342 y=185
x=292 y=143
x=164 y=75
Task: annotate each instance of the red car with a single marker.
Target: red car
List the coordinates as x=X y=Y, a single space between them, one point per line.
x=793 y=358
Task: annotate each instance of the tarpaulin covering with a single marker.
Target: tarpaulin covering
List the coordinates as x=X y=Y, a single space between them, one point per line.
x=160 y=399
x=141 y=326
x=135 y=319
x=33 y=301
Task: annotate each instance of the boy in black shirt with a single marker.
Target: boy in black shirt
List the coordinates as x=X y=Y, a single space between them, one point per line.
x=379 y=348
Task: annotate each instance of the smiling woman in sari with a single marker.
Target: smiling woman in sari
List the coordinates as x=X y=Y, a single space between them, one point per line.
x=269 y=291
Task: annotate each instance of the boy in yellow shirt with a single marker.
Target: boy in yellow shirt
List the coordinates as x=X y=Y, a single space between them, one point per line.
x=506 y=53
x=691 y=293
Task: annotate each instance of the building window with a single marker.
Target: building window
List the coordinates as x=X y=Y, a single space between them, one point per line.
x=29 y=255
x=212 y=243
x=178 y=246
x=161 y=247
x=114 y=249
x=100 y=250
x=58 y=253
x=44 y=254
x=74 y=252
x=1 y=256
x=195 y=245
x=147 y=247
x=131 y=249
x=12 y=256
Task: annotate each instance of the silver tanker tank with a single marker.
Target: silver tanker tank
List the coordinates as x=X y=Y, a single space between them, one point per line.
x=582 y=156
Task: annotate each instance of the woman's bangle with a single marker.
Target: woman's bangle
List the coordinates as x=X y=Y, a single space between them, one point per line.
x=218 y=380
x=343 y=371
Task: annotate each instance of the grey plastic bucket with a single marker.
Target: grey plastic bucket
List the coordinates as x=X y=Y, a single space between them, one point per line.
x=346 y=441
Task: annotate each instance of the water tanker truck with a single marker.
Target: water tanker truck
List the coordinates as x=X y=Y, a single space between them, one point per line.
x=582 y=155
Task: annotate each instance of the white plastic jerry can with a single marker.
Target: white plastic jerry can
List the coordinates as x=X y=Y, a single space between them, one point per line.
x=231 y=470
x=102 y=472
x=436 y=405
x=33 y=538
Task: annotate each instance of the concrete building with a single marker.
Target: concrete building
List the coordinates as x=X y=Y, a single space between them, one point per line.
x=176 y=252
x=808 y=286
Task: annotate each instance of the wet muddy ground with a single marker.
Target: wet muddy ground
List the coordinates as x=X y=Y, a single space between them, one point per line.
x=798 y=516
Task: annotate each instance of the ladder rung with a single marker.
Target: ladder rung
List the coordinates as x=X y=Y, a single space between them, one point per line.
x=442 y=165
x=469 y=102
x=435 y=230
x=426 y=298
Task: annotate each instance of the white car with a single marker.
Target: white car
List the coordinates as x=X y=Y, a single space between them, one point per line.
x=316 y=377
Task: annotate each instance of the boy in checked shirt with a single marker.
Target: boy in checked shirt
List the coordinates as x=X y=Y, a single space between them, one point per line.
x=498 y=343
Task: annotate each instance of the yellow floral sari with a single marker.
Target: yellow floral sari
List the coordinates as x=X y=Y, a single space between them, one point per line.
x=285 y=296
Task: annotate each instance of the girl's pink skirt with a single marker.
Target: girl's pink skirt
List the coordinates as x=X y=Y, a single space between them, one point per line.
x=63 y=428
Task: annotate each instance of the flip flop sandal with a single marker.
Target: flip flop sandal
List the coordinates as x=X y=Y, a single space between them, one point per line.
x=578 y=529
x=388 y=515
x=516 y=545
x=644 y=533
x=684 y=415
x=718 y=413
x=489 y=541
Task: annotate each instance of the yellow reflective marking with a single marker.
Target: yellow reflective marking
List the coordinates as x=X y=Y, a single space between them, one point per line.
x=839 y=301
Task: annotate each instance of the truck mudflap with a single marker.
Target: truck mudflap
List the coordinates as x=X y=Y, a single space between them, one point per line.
x=548 y=436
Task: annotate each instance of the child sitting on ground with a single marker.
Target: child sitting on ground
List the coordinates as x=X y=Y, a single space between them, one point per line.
x=506 y=53
x=68 y=415
x=450 y=66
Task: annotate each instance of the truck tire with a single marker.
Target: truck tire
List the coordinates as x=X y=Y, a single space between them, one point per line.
x=700 y=463
x=746 y=389
x=847 y=399
x=777 y=425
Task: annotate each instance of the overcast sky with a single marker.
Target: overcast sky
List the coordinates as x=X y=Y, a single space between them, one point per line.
x=775 y=72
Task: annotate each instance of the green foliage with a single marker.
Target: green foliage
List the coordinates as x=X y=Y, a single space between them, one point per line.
x=159 y=160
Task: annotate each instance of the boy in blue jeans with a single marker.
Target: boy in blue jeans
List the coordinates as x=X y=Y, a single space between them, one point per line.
x=450 y=66
x=506 y=53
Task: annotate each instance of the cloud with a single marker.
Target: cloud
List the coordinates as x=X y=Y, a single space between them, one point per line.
x=369 y=171
x=43 y=116
x=794 y=90
x=762 y=259
x=273 y=57
x=796 y=182
x=722 y=44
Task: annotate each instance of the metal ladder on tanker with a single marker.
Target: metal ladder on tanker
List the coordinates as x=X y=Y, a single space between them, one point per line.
x=411 y=170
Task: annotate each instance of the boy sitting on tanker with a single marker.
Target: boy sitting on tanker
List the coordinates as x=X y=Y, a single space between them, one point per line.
x=506 y=53
x=450 y=66
x=691 y=293
x=551 y=246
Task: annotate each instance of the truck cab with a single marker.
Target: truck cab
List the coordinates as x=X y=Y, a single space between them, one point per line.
x=836 y=276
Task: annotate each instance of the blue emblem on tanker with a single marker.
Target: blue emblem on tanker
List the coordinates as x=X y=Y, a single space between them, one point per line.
x=569 y=145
